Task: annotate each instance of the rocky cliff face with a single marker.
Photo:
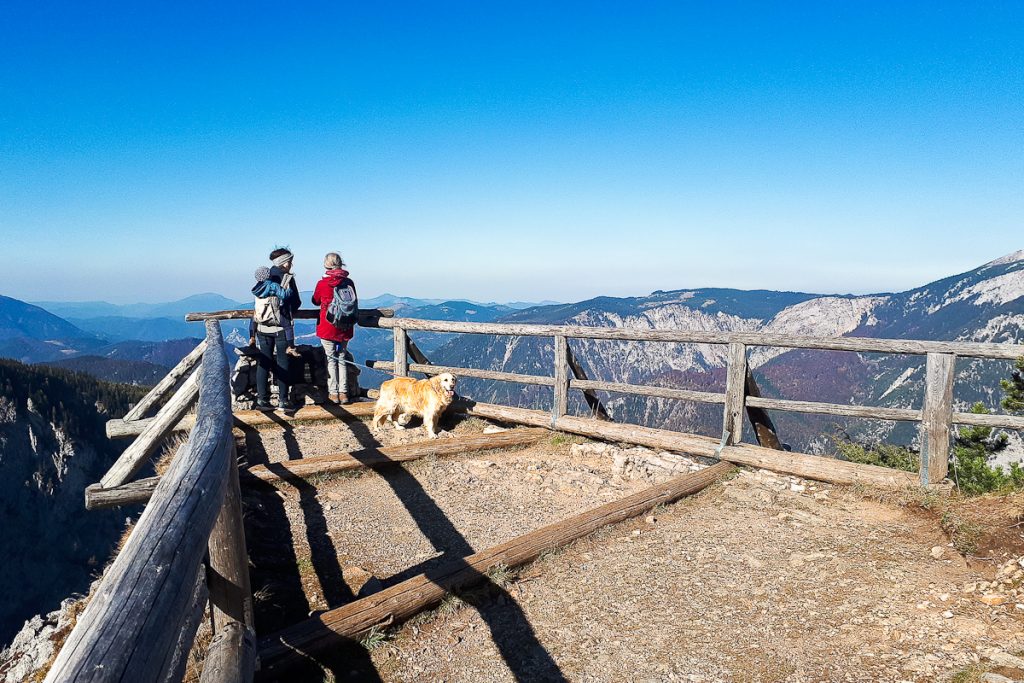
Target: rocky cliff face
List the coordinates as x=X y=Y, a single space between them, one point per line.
x=985 y=304
x=52 y=445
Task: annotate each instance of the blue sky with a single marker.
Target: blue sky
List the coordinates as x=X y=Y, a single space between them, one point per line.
x=500 y=151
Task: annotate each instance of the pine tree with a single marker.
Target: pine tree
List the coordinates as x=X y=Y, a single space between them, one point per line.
x=1013 y=401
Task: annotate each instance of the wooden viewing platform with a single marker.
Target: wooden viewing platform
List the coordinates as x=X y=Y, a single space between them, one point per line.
x=188 y=549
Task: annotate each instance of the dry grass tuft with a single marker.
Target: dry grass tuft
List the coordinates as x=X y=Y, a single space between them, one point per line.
x=172 y=445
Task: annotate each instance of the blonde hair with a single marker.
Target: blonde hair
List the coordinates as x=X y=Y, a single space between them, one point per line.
x=333 y=260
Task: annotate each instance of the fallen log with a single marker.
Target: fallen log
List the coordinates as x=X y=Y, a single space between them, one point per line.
x=373 y=458
x=117 y=429
x=280 y=651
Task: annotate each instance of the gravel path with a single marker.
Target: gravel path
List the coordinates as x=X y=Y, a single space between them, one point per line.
x=756 y=579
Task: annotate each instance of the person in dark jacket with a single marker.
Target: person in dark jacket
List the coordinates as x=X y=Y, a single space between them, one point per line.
x=333 y=338
x=264 y=288
x=271 y=339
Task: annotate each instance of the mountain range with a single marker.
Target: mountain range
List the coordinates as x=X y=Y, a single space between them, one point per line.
x=985 y=304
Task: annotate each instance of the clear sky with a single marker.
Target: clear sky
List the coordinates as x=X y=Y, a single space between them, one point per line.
x=500 y=151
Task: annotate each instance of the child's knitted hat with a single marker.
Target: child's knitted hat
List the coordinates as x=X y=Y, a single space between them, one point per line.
x=262 y=273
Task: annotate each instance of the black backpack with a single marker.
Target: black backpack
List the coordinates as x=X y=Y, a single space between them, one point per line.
x=344 y=306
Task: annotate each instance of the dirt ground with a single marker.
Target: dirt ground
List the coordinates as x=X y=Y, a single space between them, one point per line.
x=759 y=578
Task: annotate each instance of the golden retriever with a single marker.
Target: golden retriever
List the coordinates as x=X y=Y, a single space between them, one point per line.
x=402 y=398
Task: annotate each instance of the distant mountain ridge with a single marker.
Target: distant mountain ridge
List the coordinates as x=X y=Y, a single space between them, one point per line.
x=984 y=304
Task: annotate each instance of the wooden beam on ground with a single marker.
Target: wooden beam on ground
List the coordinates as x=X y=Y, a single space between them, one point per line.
x=764 y=428
x=281 y=650
x=117 y=429
x=170 y=380
x=818 y=467
x=338 y=462
x=135 y=455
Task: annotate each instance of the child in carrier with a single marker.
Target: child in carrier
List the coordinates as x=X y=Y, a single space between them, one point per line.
x=265 y=288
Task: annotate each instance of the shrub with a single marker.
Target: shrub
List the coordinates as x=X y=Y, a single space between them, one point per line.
x=883 y=455
x=973 y=448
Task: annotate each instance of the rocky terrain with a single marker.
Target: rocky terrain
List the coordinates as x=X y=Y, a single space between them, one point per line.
x=762 y=578
x=52 y=444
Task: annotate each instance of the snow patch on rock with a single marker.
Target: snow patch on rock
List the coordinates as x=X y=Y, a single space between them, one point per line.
x=899 y=381
x=999 y=290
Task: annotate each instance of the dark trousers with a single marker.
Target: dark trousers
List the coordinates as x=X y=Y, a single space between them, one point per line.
x=272 y=358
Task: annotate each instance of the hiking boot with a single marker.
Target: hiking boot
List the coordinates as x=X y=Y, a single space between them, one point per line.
x=264 y=406
x=333 y=398
x=288 y=408
x=343 y=399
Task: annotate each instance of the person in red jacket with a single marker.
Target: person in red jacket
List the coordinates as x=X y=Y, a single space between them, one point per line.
x=334 y=337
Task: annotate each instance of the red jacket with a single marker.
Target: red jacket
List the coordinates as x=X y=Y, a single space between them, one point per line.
x=322 y=296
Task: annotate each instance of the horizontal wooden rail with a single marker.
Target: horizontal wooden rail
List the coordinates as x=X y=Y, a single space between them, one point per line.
x=137 y=623
x=367 y=317
x=982 y=420
x=859 y=344
x=878 y=413
x=431 y=369
x=118 y=429
x=280 y=651
x=806 y=465
x=641 y=390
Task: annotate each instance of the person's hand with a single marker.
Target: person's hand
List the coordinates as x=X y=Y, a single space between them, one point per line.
x=252 y=341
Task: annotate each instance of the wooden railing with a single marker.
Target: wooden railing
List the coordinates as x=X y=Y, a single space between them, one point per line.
x=141 y=622
x=936 y=415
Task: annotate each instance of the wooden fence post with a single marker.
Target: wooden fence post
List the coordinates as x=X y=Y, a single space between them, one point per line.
x=561 y=402
x=735 y=392
x=230 y=594
x=401 y=353
x=937 y=417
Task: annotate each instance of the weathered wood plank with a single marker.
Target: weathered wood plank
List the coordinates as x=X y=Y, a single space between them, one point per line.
x=231 y=657
x=175 y=671
x=401 y=358
x=228 y=571
x=388 y=455
x=130 y=629
x=860 y=344
x=134 y=456
x=597 y=409
x=641 y=390
x=981 y=420
x=157 y=393
x=560 y=403
x=131 y=493
x=764 y=428
x=116 y=429
x=431 y=370
x=936 y=418
x=415 y=353
x=403 y=600
x=878 y=413
x=735 y=393
x=804 y=465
